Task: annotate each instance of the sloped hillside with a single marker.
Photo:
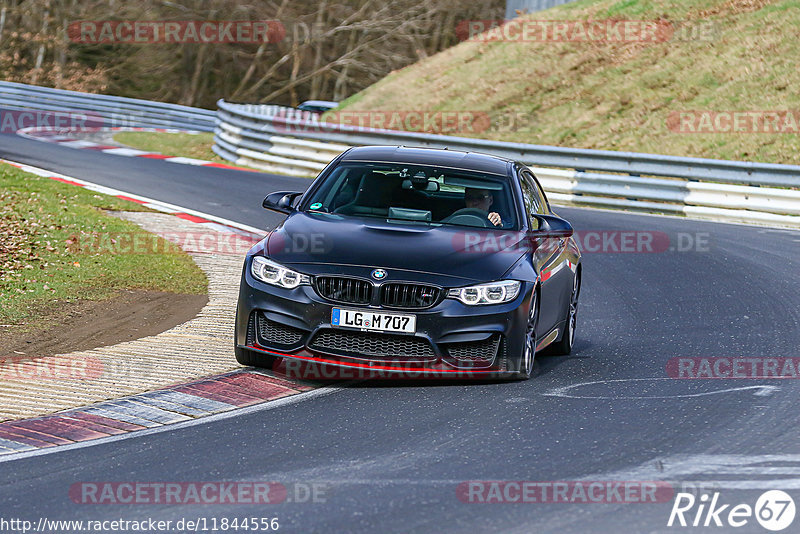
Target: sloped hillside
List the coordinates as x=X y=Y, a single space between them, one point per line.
x=729 y=67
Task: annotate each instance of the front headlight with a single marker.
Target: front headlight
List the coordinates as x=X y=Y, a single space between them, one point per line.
x=276 y=274
x=491 y=293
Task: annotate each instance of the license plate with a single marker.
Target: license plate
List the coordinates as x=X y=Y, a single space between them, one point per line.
x=374 y=321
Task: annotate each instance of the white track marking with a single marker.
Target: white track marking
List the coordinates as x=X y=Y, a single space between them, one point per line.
x=186 y=161
x=78 y=144
x=159 y=208
x=564 y=391
x=170 y=208
x=720 y=471
x=668 y=216
x=121 y=151
x=268 y=405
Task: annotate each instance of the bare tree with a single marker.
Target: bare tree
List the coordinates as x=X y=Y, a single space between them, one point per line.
x=331 y=48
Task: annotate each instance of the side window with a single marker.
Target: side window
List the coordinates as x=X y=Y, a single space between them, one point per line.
x=530 y=193
x=545 y=205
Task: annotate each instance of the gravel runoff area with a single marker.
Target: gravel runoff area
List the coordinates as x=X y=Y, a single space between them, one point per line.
x=200 y=347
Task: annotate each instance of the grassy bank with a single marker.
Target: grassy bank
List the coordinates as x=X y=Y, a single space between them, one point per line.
x=724 y=56
x=42 y=221
x=196 y=146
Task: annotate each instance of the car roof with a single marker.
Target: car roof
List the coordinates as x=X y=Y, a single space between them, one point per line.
x=319 y=103
x=324 y=102
x=455 y=159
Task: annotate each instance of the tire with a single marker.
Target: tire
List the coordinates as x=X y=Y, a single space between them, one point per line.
x=255 y=359
x=564 y=345
x=527 y=360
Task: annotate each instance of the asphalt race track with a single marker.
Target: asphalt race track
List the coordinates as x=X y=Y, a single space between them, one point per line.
x=390 y=456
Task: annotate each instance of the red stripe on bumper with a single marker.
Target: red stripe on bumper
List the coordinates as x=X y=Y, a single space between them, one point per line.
x=428 y=370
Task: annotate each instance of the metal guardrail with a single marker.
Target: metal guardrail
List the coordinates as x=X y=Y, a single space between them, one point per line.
x=101 y=110
x=240 y=140
x=287 y=141
x=530 y=6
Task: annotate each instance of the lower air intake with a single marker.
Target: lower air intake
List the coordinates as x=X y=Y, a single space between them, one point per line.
x=272 y=333
x=477 y=352
x=373 y=346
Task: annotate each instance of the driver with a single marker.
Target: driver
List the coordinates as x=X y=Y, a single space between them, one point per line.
x=482 y=199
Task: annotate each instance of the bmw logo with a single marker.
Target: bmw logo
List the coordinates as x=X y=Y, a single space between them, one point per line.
x=378 y=274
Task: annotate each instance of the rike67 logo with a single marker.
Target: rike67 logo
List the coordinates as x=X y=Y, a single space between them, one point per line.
x=774 y=510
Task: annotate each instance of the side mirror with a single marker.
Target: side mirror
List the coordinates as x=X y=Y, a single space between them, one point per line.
x=280 y=201
x=552 y=226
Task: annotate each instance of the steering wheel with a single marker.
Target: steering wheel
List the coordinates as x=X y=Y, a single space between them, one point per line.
x=469 y=214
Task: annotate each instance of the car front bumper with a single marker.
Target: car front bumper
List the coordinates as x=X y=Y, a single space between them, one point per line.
x=451 y=340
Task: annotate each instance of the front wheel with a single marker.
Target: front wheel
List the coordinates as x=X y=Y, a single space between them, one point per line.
x=527 y=361
x=564 y=345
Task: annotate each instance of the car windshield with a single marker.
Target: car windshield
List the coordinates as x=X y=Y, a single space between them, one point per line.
x=419 y=194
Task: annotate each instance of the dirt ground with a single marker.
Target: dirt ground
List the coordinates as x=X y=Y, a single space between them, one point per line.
x=85 y=325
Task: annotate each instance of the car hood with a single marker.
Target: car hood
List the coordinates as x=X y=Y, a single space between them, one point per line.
x=333 y=240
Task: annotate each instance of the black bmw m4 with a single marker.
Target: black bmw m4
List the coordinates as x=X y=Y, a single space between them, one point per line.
x=412 y=262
